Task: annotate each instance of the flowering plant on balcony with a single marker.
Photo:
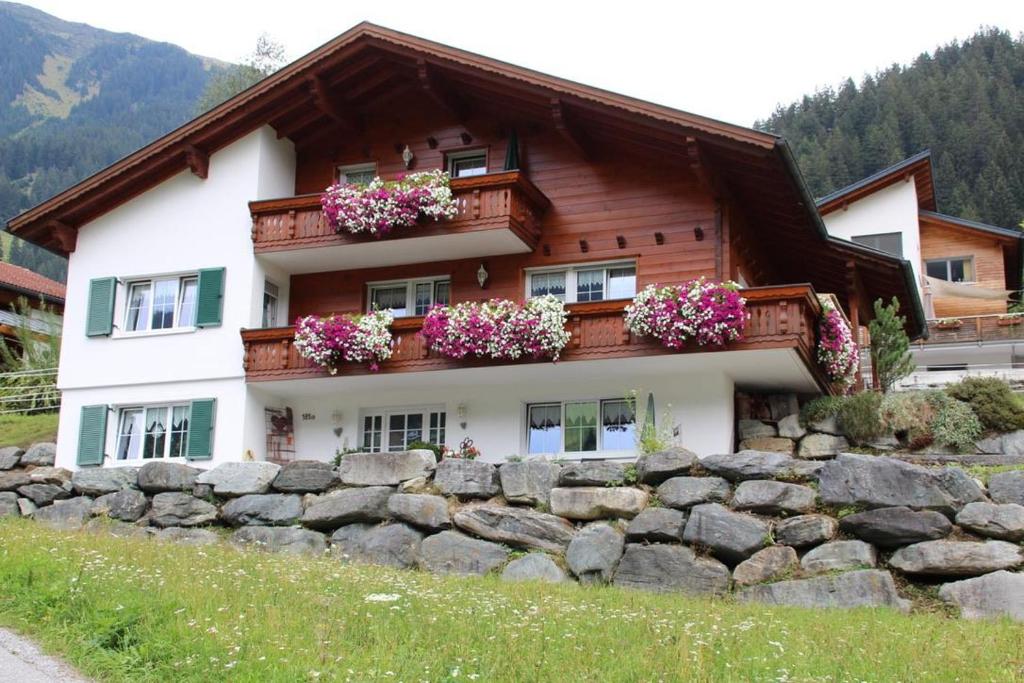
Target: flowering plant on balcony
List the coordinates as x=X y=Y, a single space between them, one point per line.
x=331 y=341
x=379 y=207
x=837 y=351
x=498 y=329
x=710 y=313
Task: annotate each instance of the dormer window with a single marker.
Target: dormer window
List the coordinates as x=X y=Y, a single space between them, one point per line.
x=356 y=174
x=469 y=163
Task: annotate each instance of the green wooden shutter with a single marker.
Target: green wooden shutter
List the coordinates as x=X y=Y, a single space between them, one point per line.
x=210 y=300
x=92 y=435
x=99 y=319
x=200 y=429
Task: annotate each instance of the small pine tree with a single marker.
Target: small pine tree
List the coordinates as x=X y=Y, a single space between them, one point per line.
x=267 y=58
x=890 y=346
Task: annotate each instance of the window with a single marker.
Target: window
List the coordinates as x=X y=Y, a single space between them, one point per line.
x=270 y=294
x=412 y=297
x=161 y=304
x=469 y=163
x=581 y=426
x=395 y=430
x=890 y=242
x=951 y=270
x=585 y=283
x=152 y=432
x=357 y=174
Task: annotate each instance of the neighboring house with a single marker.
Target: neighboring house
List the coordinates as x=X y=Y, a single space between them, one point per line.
x=190 y=258
x=17 y=283
x=966 y=272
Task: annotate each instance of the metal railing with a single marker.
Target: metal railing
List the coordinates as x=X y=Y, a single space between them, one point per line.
x=29 y=391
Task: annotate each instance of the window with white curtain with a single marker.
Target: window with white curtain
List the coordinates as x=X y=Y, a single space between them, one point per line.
x=150 y=432
x=573 y=284
x=409 y=297
x=161 y=303
x=581 y=426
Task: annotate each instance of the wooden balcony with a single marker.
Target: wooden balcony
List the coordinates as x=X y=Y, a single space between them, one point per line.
x=974 y=329
x=498 y=213
x=780 y=318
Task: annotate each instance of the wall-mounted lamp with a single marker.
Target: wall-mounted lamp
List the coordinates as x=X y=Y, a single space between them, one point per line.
x=461 y=411
x=698 y=233
x=481 y=275
x=407 y=156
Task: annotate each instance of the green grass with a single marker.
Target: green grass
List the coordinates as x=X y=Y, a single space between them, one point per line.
x=25 y=430
x=138 y=610
x=985 y=472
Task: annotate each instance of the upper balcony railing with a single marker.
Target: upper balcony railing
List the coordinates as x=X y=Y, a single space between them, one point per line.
x=780 y=318
x=506 y=205
x=974 y=329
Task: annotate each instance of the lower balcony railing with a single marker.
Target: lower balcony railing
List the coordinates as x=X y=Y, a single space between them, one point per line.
x=780 y=318
x=974 y=329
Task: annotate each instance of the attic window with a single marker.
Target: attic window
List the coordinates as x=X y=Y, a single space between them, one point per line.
x=469 y=163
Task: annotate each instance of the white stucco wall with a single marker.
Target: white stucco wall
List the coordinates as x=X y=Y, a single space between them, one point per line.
x=892 y=209
x=184 y=224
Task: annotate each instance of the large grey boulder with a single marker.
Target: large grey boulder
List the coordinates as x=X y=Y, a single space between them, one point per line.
x=839 y=556
x=467 y=478
x=14 y=480
x=656 y=525
x=234 y=479
x=44 y=494
x=450 y=552
x=730 y=536
x=66 y=515
x=749 y=429
x=791 y=428
x=956 y=558
x=1007 y=487
x=516 y=526
x=187 y=536
x=58 y=476
x=9 y=504
x=40 y=455
x=592 y=502
x=775 y=444
x=27 y=507
x=99 y=481
x=422 y=510
x=990 y=596
x=594 y=552
x=654 y=468
x=1005 y=522
x=290 y=540
x=877 y=481
x=685 y=492
x=127 y=505
x=593 y=473
x=391 y=545
x=173 y=508
x=666 y=568
x=386 y=469
x=529 y=482
x=864 y=588
x=751 y=465
x=805 y=530
x=774 y=497
x=1011 y=443
x=829 y=425
x=822 y=446
x=263 y=509
x=766 y=564
x=338 y=508
x=158 y=477
x=893 y=527
x=534 y=567
x=305 y=476
x=10 y=456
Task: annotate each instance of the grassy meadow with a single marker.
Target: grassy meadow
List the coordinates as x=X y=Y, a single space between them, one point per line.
x=25 y=430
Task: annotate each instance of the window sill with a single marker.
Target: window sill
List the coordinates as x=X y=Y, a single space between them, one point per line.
x=154 y=333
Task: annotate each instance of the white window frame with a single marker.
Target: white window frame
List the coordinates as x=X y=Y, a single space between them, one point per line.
x=144 y=408
x=452 y=157
x=947 y=260
x=385 y=415
x=410 y=292
x=276 y=296
x=600 y=452
x=571 y=274
x=342 y=171
x=180 y=279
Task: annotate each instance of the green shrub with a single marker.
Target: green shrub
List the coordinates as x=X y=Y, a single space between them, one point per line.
x=992 y=401
x=820 y=408
x=859 y=417
x=955 y=425
x=417 y=445
x=909 y=416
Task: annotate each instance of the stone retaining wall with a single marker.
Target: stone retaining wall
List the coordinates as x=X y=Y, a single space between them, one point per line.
x=854 y=530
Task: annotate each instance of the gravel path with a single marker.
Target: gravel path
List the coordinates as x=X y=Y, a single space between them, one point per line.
x=21 y=660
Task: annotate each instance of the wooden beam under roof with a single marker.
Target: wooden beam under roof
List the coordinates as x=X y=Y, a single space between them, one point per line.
x=332 y=106
x=570 y=134
x=452 y=105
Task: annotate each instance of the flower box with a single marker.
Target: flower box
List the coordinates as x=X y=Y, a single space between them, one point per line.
x=330 y=342
x=838 y=353
x=380 y=206
x=1010 y=319
x=708 y=313
x=949 y=324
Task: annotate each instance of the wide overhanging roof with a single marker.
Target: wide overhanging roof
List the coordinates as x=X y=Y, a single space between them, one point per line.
x=330 y=90
x=918 y=167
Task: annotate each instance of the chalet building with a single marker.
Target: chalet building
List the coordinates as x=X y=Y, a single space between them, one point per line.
x=967 y=273
x=18 y=283
x=191 y=259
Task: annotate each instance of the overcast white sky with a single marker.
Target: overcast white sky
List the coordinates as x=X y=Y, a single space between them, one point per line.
x=729 y=60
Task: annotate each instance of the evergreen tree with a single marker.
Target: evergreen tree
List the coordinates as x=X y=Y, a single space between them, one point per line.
x=890 y=346
x=265 y=59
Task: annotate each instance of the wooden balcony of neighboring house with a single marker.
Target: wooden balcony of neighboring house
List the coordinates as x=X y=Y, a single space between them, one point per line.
x=974 y=329
x=498 y=213
x=782 y=317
